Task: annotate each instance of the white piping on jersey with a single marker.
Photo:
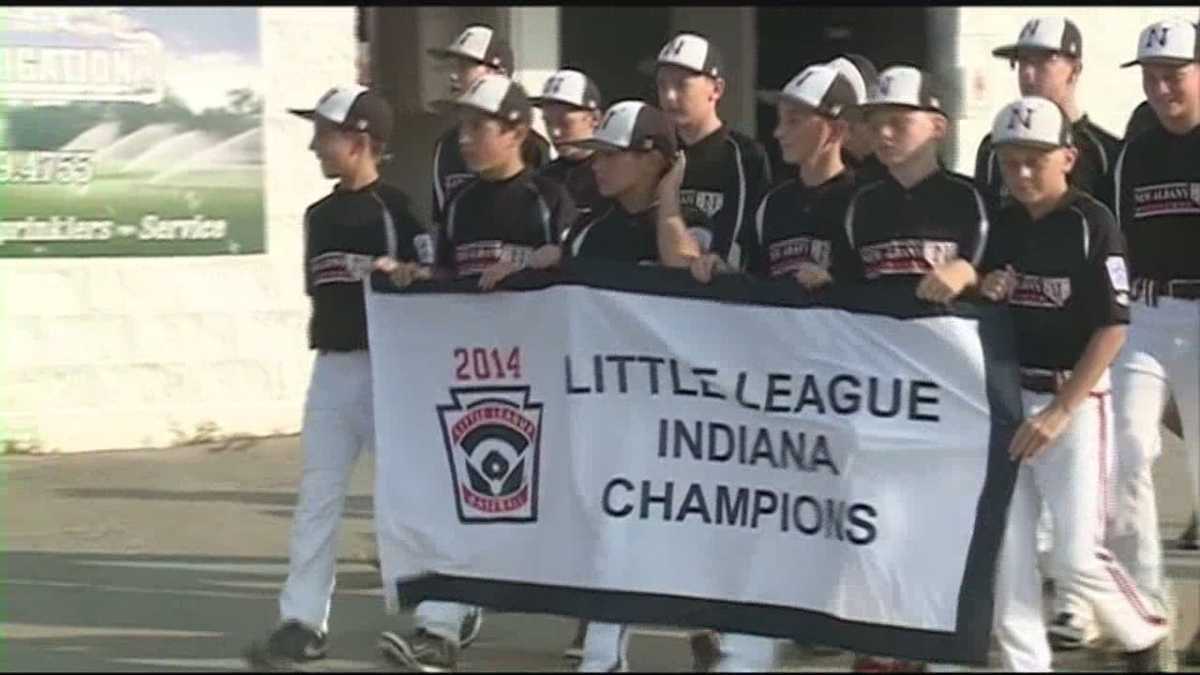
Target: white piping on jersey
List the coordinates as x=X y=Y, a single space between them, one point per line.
x=454 y=207
x=544 y=210
x=991 y=162
x=438 y=193
x=762 y=208
x=1099 y=146
x=1087 y=237
x=850 y=210
x=984 y=225
x=389 y=228
x=735 y=251
x=1117 y=184
x=583 y=232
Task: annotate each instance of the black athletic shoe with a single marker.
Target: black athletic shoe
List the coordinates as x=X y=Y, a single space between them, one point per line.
x=471 y=625
x=420 y=651
x=574 y=651
x=1065 y=635
x=1190 y=539
x=290 y=646
x=1191 y=655
x=706 y=651
x=1148 y=660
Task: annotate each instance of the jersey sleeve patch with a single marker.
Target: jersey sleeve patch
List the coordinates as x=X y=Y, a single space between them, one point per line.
x=1117 y=274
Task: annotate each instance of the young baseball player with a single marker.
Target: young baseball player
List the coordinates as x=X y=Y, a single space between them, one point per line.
x=799 y=222
x=571 y=104
x=727 y=172
x=1065 y=278
x=638 y=171
x=360 y=220
x=1048 y=57
x=858 y=150
x=920 y=223
x=799 y=227
x=477 y=51
x=1157 y=179
x=503 y=220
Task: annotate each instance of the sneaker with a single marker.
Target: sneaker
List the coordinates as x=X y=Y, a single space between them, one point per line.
x=706 y=651
x=876 y=664
x=291 y=645
x=1150 y=659
x=574 y=652
x=471 y=625
x=420 y=651
x=1191 y=656
x=1066 y=634
x=1190 y=539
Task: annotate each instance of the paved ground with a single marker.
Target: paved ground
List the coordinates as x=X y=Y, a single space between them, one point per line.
x=170 y=561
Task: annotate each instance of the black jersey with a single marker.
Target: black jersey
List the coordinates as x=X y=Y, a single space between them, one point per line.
x=866 y=170
x=1158 y=203
x=1098 y=151
x=576 y=175
x=898 y=231
x=796 y=223
x=450 y=172
x=1071 y=277
x=726 y=176
x=343 y=234
x=612 y=233
x=485 y=218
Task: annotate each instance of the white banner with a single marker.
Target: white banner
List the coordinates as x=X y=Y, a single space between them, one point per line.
x=623 y=445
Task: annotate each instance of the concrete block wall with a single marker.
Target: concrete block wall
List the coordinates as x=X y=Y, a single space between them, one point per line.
x=1107 y=93
x=106 y=353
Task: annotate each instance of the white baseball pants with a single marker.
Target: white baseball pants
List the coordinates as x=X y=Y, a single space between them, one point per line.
x=338 y=425
x=1070 y=476
x=1160 y=357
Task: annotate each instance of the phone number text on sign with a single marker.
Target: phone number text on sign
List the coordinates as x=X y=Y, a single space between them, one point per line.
x=45 y=167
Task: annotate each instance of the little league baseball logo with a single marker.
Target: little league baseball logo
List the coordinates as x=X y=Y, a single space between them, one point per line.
x=493 y=437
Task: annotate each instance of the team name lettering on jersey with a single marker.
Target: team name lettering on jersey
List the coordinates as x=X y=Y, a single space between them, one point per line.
x=1041 y=292
x=1166 y=199
x=786 y=256
x=906 y=256
x=707 y=201
x=338 y=267
x=452 y=181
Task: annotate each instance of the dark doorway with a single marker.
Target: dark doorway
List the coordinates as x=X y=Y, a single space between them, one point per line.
x=608 y=43
x=790 y=38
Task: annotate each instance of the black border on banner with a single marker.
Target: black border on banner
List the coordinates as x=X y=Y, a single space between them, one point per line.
x=969 y=643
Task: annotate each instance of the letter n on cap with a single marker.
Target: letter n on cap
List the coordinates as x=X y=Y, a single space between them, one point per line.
x=1158 y=35
x=1026 y=119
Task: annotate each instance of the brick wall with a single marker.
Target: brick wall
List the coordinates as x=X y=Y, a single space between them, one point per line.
x=118 y=353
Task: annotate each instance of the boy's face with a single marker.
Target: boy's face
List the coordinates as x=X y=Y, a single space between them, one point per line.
x=688 y=97
x=486 y=143
x=1174 y=93
x=619 y=171
x=801 y=131
x=1035 y=175
x=567 y=123
x=339 y=151
x=464 y=72
x=1046 y=74
x=902 y=133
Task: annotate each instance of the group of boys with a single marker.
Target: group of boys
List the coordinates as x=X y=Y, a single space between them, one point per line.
x=1091 y=242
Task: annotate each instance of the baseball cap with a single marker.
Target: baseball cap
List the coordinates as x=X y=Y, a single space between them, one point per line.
x=495 y=96
x=692 y=52
x=632 y=125
x=822 y=88
x=1034 y=121
x=906 y=86
x=860 y=71
x=1171 y=41
x=1046 y=34
x=479 y=43
x=537 y=124
x=570 y=87
x=353 y=108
